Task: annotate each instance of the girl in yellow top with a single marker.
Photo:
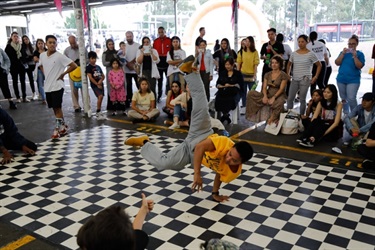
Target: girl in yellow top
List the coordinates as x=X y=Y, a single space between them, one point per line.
x=248 y=61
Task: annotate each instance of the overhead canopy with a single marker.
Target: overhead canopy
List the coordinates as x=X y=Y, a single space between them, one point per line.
x=21 y=7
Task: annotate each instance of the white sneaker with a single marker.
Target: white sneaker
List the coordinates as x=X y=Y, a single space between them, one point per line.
x=100 y=116
x=243 y=111
x=18 y=100
x=34 y=97
x=174 y=125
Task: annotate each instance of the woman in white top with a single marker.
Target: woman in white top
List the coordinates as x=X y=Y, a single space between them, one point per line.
x=303 y=61
x=147 y=58
x=320 y=50
x=175 y=57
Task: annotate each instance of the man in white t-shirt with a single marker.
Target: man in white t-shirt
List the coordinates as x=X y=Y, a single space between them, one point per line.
x=53 y=65
x=131 y=52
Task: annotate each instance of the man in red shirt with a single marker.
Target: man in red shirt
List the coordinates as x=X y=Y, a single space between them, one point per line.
x=162 y=44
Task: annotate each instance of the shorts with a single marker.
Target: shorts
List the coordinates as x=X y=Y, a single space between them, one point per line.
x=55 y=98
x=98 y=92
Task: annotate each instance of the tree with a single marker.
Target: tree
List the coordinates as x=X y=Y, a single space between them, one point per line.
x=70 y=22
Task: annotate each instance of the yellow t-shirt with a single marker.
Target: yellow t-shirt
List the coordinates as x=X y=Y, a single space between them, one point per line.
x=215 y=160
x=248 y=60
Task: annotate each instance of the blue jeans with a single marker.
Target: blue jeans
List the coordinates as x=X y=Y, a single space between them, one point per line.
x=40 y=81
x=179 y=112
x=246 y=86
x=348 y=93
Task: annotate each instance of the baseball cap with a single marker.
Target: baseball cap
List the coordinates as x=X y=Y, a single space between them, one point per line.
x=368 y=96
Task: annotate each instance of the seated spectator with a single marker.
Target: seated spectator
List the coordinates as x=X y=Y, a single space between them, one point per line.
x=182 y=110
x=273 y=92
x=229 y=85
x=311 y=107
x=143 y=103
x=329 y=125
x=367 y=150
x=148 y=58
x=171 y=95
x=11 y=139
x=358 y=122
x=112 y=229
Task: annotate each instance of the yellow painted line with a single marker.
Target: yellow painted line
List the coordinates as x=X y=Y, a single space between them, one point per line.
x=235 y=137
x=18 y=243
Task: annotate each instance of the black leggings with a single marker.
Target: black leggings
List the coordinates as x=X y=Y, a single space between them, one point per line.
x=14 y=73
x=320 y=80
x=4 y=85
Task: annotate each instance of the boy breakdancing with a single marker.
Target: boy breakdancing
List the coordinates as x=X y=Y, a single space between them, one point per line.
x=201 y=146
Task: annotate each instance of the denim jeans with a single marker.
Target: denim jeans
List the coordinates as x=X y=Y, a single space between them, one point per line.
x=40 y=81
x=247 y=85
x=303 y=86
x=179 y=112
x=348 y=94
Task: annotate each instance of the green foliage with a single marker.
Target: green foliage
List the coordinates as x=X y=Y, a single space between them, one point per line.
x=70 y=22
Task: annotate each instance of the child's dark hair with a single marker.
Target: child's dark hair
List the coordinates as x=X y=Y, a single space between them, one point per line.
x=141 y=79
x=245 y=150
x=116 y=60
x=109 y=229
x=92 y=54
x=121 y=43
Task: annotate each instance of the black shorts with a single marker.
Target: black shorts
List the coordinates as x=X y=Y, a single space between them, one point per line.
x=55 y=98
x=98 y=92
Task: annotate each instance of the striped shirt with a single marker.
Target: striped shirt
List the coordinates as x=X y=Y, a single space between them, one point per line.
x=302 y=64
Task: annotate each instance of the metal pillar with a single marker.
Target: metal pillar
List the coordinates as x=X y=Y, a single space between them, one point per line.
x=296 y=28
x=236 y=26
x=175 y=16
x=82 y=55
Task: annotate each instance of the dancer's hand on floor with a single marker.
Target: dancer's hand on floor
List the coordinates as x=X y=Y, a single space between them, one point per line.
x=198 y=183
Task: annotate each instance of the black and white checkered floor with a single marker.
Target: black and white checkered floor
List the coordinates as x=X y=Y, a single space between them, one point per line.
x=276 y=203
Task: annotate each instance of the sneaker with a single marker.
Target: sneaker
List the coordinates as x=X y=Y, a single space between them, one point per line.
x=301 y=139
x=63 y=129
x=367 y=164
x=187 y=65
x=243 y=111
x=18 y=100
x=100 y=116
x=34 y=97
x=174 y=126
x=307 y=144
x=136 y=141
x=114 y=113
x=55 y=134
x=44 y=102
x=78 y=110
x=26 y=100
x=12 y=105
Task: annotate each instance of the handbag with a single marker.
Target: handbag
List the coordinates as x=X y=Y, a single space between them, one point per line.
x=274 y=128
x=292 y=123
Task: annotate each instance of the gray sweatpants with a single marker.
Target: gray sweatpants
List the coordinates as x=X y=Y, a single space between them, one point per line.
x=200 y=129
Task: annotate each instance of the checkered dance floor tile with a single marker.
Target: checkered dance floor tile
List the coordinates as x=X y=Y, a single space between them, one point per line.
x=276 y=203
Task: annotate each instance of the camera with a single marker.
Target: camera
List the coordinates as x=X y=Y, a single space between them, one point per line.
x=147 y=49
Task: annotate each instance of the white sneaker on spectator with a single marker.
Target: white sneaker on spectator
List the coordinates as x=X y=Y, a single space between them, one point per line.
x=174 y=125
x=100 y=116
x=34 y=97
x=243 y=110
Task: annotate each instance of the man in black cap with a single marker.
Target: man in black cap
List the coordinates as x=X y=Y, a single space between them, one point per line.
x=358 y=122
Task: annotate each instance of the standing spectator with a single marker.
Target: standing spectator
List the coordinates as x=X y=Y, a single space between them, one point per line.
x=351 y=61
x=302 y=60
x=27 y=51
x=329 y=67
x=13 y=50
x=373 y=71
x=53 y=65
x=205 y=65
x=130 y=74
x=202 y=32
x=96 y=76
x=162 y=44
x=148 y=58
x=40 y=48
x=223 y=54
x=359 y=120
x=107 y=57
x=320 y=50
x=143 y=103
x=174 y=58
x=248 y=61
x=72 y=52
x=287 y=53
x=217 y=45
x=269 y=49
x=10 y=138
x=326 y=122
x=117 y=80
x=4 y=71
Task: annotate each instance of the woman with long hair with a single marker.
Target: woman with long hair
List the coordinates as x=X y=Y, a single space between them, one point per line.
x=27 y=51
x=13 y=50
x=171 y=95
x=351 y=61
x=40 y=48
x=229 y=85
x=175 y=57
x=320 y=50
x=148 y=58
x=326 y=121
x=107 y=57
x=302 y=60
x=248 y=61
x=224 y=53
